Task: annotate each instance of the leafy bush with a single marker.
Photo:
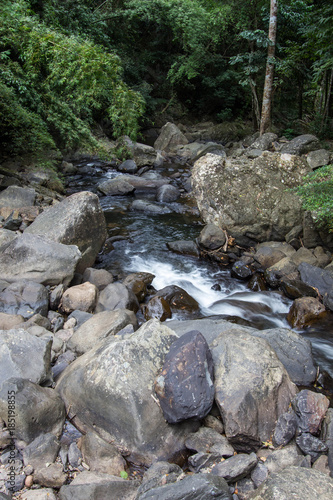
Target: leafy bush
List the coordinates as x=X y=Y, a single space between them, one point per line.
x=317 y=195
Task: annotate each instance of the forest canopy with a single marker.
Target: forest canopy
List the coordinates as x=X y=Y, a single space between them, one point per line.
x=67 y=66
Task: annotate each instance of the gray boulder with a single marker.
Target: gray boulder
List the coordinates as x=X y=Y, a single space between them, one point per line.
x=95 y=485
x=117 y=186
x=250 y=198
x=128 y=167
x=298 y=483
x=6 y=236
x=318 y=158
x=264 y=142
x=170 y=138
x=145 y=185
x=193 y=487
x=211 y=237
x=249 y=380
x=35 y=258
x=17 y=197
x=113 y=383
x=117 y=296
x=167 y=193
x=101 y=456
x=44 y=449
x=235 y=468
x=25 y=298
x=24 y=355
x=38 y=409
x=100 y=326
x=77 y=220
x=320 y=279
x=194 y=150
x=301 y=145
x=150 y=207
x=98 y=277
x=185 y=247
x=209 y=441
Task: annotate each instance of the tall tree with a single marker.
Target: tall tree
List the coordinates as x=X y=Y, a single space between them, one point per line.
x=268 y=88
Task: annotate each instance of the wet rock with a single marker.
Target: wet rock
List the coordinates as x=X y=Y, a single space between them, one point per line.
x=51 y=477
x=167 y=194
x=285 y=429
x=24 y=355
x=116 y=187
x=257 y=283
x=179 y=300
x=301 y=145
x=98 y=327
x=207 y=440
x=184 y=247
x=211 y=237
x=157 y=308
x=295 y=482
x=193 y=487
x=101 y=456
x=305 y=311
x=101 y=278
x=143 y=185
x=56 y=262
x=77 y=220
x=241 y=270
x=113 y=383
x=235 y=468
x=42 y=450
x=89 y=485
x=128 y=167
x=170 y=138
x=150 y=207
x=247 y=366
x=185 y=386
x=80 y=297
x=138 y=282
x=117 y=296
x=17 y=197
x=310 y=407
x=37 y=409
x=321 y=279
x=295 y=289
x=284 y=268
x=311 y=445
x=25 y=298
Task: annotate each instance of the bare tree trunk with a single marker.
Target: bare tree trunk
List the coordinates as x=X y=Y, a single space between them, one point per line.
x=255 y=103
x=267 y=95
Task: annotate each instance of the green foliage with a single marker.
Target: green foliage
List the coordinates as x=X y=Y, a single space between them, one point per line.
x=317 y=195
x=124 y=474
x=67 y=82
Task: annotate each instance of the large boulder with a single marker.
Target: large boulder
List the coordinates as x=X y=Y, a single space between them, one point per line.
x=301 y=145
x=77 y=220
x=252 y=388
x=17 y=197
x=109 y=389
x=250 y=198
x=35 y=258
x=117 y=296
x=115 y=187
x=298 y=483
x=170 y=138
x=24 y=355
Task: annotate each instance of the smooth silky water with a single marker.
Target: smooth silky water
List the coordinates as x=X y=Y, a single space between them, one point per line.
x=142 y=248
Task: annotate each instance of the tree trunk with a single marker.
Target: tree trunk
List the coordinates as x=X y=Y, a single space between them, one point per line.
x=267 y=95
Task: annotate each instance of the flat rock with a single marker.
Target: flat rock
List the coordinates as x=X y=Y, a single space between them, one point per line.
x=116 y=187
x=235 y=468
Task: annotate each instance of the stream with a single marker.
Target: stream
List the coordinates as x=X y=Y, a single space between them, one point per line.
x=140 y=246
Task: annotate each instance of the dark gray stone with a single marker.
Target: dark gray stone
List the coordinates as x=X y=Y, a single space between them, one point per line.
x=184 y=247
x=285 y=428
x=159 y=474
x=327 y=436
x=42 y=450
x=37 y=409
x=235 y=468
x=116 y=187
x=301 y=145
x=74 y=455
x=150 y=207
x=310 y=408
x=211 y=237
x=117 y=296
x=167 y=194
x=25 y=298
x=180 y=301
x=311 y=445
x=17 y=197
x=203 y=460
x=195 y=487
x=128 y=167
x=185 y=386
x=24 y=355
x=208 y=440
x=259 y=474
x=101 y=456
x=241 y=270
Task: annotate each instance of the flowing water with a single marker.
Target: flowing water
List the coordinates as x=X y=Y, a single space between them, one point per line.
x=141 y=247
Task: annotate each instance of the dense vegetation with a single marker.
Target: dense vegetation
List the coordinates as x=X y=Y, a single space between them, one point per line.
x=67 y=66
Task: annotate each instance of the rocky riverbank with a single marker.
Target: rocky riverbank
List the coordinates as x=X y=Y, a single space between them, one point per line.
x=199 y=408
